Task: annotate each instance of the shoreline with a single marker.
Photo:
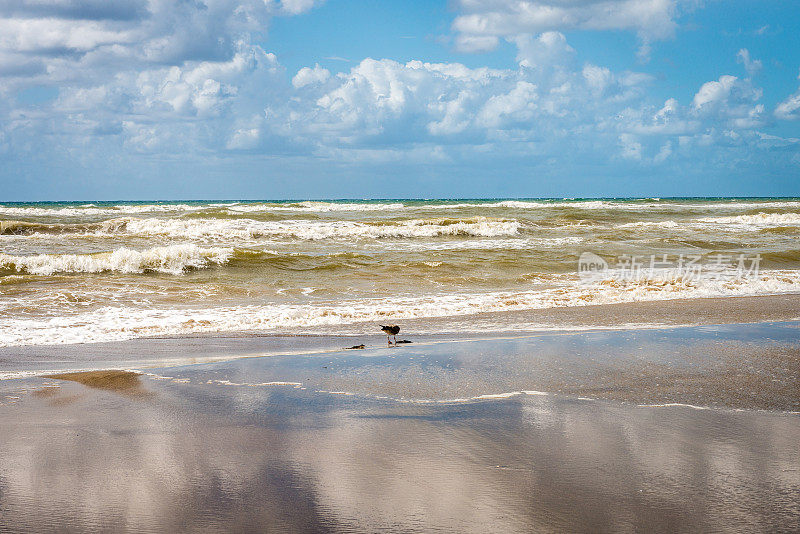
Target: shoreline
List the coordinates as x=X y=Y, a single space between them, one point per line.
x=741 y=345
x=696 y=428
x=322 y=443
x=739 y=366
x=611 y=317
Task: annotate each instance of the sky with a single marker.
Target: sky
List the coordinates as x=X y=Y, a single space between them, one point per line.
x=308 y=99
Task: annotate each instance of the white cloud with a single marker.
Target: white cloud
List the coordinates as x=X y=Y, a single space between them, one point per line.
x=476 y=43
x=306 y=76
x=631 y=147
x=244 y=139
x=789 y=109
x=46 y=35
x=295 y=7
x=481 y=22
x=730 y=99
x=231 y=95
x=88 y=41
x=598 y=78
x=664 y=153
x=546 y=52
x=517 y=106
x=752 y=66
x=714 y=92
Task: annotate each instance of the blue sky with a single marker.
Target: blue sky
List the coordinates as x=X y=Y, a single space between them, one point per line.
x=156 y=99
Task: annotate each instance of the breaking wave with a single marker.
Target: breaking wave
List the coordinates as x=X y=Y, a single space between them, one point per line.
x=117 y=323
x=32 y=228
x=235 y=208
x=318 y=207
x=93 y=210
x=301 y=266
x=651 y=224
x=251 y=229
x=172 y=259
x=77 y=210
x=758 y=220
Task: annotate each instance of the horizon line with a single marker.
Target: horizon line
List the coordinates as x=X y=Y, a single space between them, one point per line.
x=411 y=199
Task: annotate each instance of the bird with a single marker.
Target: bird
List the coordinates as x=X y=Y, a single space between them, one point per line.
x=391 y=330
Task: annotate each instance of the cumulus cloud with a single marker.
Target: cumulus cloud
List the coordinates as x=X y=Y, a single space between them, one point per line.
x=732 y=100
x=480 y=23
x=547 y=51
x=306 y=76
x=724 y=116
x=195 y=107
x=381 y=102
x=77 y=41
x=144 y=86
x=157 y=75
x=789 y=109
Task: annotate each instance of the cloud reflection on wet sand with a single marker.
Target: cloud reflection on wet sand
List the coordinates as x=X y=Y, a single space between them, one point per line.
x=195 y=457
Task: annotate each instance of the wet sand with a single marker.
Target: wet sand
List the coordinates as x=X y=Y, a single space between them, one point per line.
x=204 y=348
x=125 y=382
x=671 y=430
x=658 y=313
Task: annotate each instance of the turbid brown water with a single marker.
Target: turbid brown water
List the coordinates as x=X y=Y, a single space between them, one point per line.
x=72 y=272
x=157 y=372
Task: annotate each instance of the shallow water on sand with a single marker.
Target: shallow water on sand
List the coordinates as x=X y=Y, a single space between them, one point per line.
x=188 y=458
x=76 y=272
x=673 y=430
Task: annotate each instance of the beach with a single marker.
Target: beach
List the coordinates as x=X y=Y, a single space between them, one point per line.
x=449 y=266
x=617 y=365
x=662 y=429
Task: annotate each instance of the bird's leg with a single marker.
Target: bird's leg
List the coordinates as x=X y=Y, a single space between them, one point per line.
x=388 y=341
x=395 y=340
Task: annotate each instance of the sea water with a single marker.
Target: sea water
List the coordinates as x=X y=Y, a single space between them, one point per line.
x=79 y=272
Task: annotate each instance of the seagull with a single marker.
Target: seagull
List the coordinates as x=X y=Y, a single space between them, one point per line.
x=391 y=330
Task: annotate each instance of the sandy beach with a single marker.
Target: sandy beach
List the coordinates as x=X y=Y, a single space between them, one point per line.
x=401 y=267
x=661 y=430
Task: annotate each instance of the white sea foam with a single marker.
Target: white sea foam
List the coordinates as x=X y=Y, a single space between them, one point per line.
x=641 y=205
x=488 y=244
x=323 y=207
x=40 y=210
x=483 y=397
x=393 y=206
x=496 y=395
x=732 y=222
x=646 y=224
x=93 y=210
x=249 y=229
x=316 y=207
x=774 y=204
x=758 y=220
x=229 y=383
x=673 y=405
x=116 y=323
x=172 y=259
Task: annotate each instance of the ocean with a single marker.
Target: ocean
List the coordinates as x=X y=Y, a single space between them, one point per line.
x=77 y=272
